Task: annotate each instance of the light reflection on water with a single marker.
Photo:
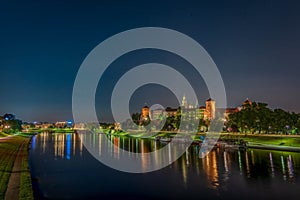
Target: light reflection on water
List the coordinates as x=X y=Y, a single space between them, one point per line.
x=218 y=170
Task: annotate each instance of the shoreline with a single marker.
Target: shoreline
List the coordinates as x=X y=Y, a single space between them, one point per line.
x=261 y=141
x=275 y=148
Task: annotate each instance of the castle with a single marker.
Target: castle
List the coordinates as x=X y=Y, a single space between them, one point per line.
x=207 y=112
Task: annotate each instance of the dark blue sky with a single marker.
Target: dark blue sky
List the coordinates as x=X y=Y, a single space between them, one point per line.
x=255 y=44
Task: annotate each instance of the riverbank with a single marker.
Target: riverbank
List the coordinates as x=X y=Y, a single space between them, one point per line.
x=51 y=130
x=3 y=135
x=265 y=141
x=259 y=141
x=15 y=179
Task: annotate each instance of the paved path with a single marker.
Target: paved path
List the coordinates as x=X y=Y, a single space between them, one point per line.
x=13 y=187
x=3 y=139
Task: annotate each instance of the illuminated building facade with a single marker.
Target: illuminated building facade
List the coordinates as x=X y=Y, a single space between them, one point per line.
x=171 y=111
x=184 y=103
x=210 y=109
x=145 y=113
x=229 y=111
x=157 y=114
x=247 y=102
x=207 y=112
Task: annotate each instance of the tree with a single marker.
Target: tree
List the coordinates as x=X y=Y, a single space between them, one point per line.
x=12 y=126
x=254 y=117
x=257 y=117
x=264 y=116
x=136 y=118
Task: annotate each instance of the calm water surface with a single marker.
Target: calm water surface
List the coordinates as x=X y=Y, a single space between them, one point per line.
x=62 y=168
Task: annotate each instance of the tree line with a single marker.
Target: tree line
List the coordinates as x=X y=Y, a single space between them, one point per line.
x=258 y=118
x=9 y=124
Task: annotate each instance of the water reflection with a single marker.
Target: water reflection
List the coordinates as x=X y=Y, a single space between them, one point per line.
x=217 y=169
x=117 y=148
x=290 y=166
x=272 y=165
x=283 y=167
x=247 y=164
x=184 y=172
x=211 y=169
x=33 y=142
x=227 y=168
x=240 y=163
x=252 y=158
x=60 y=146
x=68 y=146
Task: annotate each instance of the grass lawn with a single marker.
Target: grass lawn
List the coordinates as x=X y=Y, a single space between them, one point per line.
x=8 y=152
x=25 y=182
x=3 y=134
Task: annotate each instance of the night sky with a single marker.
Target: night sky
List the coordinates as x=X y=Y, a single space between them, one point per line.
x=255 y=44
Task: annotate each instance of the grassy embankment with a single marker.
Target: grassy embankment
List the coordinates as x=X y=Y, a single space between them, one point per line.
x=272 y=141
x=26 y=191
x=8 y=152
x=55 y=130
x=3 y=134
x=256 y=139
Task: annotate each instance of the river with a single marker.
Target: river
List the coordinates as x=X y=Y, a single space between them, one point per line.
x=62 y=168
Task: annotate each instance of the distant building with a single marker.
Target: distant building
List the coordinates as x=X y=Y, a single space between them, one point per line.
x=229 y=111
x=70 y=124
x=191 y=112
x=79 y=126
x=38 y=125
x=246 y=102
x=202 y=112
x=117 y=126
x=157 y=114
x=61 y=124
x=184 y=103
x=25 y=126
x=171 y=111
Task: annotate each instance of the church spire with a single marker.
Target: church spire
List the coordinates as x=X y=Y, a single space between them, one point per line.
x=184 y=103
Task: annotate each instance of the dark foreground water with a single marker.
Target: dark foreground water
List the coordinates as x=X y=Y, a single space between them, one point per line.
x=62 y=168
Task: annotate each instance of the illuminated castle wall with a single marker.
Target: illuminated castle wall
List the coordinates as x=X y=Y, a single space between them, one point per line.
x=207 y=112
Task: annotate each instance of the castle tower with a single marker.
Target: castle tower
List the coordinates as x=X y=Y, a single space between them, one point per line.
x=196 y=104
x=246 y=103
x=210 y=109
x=184 y=103
x=145 y=113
